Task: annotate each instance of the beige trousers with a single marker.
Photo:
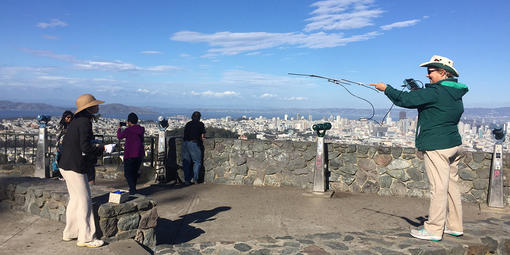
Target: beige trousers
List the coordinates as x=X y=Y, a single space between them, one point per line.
x=445 y=201
x=79 y=216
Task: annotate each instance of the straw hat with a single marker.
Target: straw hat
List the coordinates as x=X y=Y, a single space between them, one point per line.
x=443 y=63
x=85 y=101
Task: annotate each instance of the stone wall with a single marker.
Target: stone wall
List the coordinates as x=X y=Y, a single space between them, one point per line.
x=386 y=171
x=135 y=218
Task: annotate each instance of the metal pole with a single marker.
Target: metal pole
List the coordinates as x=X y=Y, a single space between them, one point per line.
x=496 y=194
x=319 y=180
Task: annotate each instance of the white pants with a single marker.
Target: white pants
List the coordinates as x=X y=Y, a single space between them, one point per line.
x=79 y=216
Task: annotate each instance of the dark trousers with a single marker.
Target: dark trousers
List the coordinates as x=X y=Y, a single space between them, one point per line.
x=131 y=166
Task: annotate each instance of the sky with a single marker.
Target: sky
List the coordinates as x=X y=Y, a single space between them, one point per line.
x=238 y=53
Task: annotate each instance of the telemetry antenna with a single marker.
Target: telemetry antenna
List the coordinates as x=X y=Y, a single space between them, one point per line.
x=337 y=81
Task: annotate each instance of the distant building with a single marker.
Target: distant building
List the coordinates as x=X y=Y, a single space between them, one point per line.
x=402 y=115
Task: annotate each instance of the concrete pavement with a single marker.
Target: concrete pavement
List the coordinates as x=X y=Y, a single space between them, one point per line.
x=223 y=216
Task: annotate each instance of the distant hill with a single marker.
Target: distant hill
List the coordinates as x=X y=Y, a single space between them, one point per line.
x=18 y=106
x=9 y=109
x=18 y=109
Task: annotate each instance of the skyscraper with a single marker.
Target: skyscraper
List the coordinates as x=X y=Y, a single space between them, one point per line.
x=402 y=115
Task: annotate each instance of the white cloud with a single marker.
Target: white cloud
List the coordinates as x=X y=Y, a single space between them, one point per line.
x=151 y=52
x=342 y=14
x=119 y=66
x=209 y=93
x=328 y=15
x=51 y=54
x=52 y=23
x=107 y=66
x=145 y=91
x=116 y=66
x=400 y=24
x=59 y=79
x=11 y=71
x=267 y=95
x=228 y=43
x=161 y=68
x=243 y=78
x=296 y=98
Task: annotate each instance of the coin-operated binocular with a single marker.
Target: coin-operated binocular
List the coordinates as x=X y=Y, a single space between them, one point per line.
x=319 y=176
x=161 y=152
x=496 y=193
x=42 y=167
x=321 y=128
x=162 y=123
x=43 y=120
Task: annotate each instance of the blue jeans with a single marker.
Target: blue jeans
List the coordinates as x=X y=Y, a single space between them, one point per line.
x=191 y=153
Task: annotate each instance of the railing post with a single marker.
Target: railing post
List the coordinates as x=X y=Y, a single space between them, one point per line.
x=15 y=151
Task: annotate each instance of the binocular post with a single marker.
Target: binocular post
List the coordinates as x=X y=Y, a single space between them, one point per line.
x=319 y=176
x=42 y=168
x=496 y=193
x=161 y=152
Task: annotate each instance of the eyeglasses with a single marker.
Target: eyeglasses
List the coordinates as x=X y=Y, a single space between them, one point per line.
x=429 y=71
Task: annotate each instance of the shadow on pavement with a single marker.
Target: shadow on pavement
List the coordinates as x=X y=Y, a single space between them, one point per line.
x=419 y=220
x=180 y=231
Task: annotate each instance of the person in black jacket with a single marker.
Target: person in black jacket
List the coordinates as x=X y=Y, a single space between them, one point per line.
x=194 y=134
x=78 y=149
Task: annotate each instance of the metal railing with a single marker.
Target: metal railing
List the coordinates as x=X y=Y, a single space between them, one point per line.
x=21 y=148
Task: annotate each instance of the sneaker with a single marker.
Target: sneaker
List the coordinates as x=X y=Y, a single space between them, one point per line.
x=92 y=244
x=452 y=233
x=67 y=239
x=421 y=233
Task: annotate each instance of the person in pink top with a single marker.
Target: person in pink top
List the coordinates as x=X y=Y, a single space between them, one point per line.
x=133 y=149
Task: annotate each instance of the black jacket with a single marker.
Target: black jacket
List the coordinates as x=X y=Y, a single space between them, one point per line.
x=78 y=146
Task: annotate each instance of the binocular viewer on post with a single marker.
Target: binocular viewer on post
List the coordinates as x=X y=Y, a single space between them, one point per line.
x=499 y=134
x=162 y=123
x=42 y=120
x=321 y=128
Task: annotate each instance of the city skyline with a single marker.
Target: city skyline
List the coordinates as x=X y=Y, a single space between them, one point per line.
x=237 y=54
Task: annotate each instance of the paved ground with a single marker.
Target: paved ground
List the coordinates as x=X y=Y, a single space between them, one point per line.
x=225 y=219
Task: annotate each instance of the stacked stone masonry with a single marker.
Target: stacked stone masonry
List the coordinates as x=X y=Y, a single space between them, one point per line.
x=387 y=171
x=134 y=219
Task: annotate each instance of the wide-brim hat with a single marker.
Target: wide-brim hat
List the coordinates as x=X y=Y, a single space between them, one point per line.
x=85 y=101
x=443 y=63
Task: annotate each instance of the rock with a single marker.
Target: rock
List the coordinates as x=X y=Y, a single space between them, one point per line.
x=370 y=187
x=385 y=181
x=128 y=222
x=148 y=219
x=348 y=169
x=367 y=164
x=396 y=152
x=398 y=188
x=483 y=173
x=466 y=174
x=383 y=159
x=478 y=156
x=414 y=174
x=399 y=164
x=418 y=185
x=480 y=184
x=108 y=226
x=242 y=247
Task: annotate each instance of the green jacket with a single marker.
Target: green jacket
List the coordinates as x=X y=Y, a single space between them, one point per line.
x=439 y=110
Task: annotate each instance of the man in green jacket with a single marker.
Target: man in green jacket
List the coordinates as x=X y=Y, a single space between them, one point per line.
x=439 y=107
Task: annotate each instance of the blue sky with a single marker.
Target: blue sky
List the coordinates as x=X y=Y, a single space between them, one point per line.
x=237 y=53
